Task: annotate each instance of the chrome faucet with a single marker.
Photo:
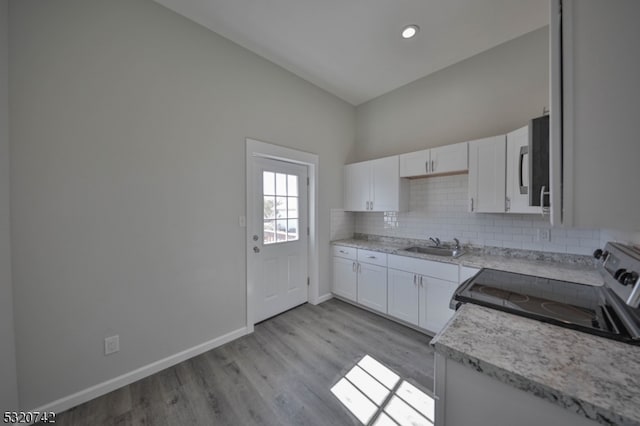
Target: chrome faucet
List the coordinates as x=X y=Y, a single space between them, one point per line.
x=457 y=246
x=435 y=241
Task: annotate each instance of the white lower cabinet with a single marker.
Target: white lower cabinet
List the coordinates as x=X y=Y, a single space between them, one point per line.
x=420 y=291
x=403 y=295
x=413 y=290
x=372 y=286
x=434 y=303
x=361 y=276
x=467 y=272
x=345 y=277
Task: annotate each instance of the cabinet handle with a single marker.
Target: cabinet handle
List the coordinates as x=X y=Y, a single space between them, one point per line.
x=371 y=257
x=433 y=166
x=344 y=252
x=353 y=267
x=426 y=166
x=471 y=203
x=524 y=150
x=359 y=268
x=421 y=281
x=542 y=206
x=415 y=280
x=507 y=204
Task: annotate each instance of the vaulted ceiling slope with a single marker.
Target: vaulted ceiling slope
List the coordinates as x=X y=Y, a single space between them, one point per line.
x=353 y=48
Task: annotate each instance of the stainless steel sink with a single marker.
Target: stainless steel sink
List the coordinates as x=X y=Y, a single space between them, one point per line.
x=436 y=251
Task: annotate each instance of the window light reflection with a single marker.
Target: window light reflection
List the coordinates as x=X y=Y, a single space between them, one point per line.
x=376 y=396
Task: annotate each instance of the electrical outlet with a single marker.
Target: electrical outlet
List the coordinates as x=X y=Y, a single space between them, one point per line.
x=242 y=221
x=111 y=344
x=544 y=235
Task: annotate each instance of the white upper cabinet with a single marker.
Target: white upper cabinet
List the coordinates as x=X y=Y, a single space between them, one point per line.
x=435 y=161
x=449 y=158
x=594 y=145
x=415 y=163
x=487 y=177
x=375 y=186
x=518 y=172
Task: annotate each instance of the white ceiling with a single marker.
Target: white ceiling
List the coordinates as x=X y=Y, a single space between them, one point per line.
x=353 y=48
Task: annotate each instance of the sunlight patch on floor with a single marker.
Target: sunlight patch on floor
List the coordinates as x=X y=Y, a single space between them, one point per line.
x=377 y=396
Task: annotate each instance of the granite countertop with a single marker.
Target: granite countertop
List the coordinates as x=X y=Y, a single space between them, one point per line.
x=579 y=269
x=594 y=377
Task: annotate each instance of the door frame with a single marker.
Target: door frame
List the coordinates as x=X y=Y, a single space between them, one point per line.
x=255 y=148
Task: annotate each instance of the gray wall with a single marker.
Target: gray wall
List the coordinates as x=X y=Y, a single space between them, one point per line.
x=491 y=93
x=128 y=132
x=8 y=384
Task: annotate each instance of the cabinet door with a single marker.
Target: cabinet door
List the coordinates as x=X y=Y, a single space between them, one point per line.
x=487 y=175
x=385 y=184
x=403 y=301
x=344 y=278
x=435 y=295
x=518 y=172
x=372 y=286
x=357 y=190
x=594 y=145
x=449 y=158
x=414 y=163
x=467 y=272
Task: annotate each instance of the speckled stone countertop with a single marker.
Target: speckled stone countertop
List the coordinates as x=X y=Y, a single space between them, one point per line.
x=579 y=269
x=589 y=375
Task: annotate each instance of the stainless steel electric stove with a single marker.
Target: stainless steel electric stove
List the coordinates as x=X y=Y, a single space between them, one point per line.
x=609 y=311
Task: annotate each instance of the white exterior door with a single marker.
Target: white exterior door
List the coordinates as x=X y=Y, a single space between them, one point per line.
x=280 y=241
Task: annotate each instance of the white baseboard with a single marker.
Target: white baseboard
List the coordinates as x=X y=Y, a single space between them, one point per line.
x=103 y=388
x=323 y=298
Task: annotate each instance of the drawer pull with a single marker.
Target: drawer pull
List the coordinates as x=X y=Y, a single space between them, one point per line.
x=371 y=257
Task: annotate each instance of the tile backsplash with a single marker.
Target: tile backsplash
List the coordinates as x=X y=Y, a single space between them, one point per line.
x=438 y=208
x=343 y=224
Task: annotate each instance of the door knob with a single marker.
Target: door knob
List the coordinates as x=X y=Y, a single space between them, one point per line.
x=256 y=250
x=255 y=238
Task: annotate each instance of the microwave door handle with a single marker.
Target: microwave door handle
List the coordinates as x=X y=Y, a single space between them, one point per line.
x=524 y=150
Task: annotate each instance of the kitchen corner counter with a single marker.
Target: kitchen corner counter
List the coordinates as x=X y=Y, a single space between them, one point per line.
x=557 y=269
x=594 y=377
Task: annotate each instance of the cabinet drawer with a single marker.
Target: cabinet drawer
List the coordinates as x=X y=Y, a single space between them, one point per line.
x=443 y=271
x=346 y=252
x=372 y=257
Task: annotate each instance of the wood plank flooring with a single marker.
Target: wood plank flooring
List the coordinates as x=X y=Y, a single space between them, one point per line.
x=279 y=375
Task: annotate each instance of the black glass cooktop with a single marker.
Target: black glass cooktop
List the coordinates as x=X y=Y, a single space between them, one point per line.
x=567 y=304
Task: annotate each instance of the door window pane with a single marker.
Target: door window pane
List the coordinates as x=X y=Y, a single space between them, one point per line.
x=292 y=230
x=269 y=231
x=268 y=183
x=281 y=230
x=292 y=187
x=269 y=207
x=281 y=208
x=281 y=184
x=292 y=207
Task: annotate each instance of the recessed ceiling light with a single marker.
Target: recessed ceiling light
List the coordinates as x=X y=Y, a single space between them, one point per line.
x=410 y=31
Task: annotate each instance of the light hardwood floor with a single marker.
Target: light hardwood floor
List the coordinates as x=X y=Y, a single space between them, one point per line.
x=279 y=375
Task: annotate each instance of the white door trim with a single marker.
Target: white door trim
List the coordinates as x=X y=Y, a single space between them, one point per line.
x=256 y=148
